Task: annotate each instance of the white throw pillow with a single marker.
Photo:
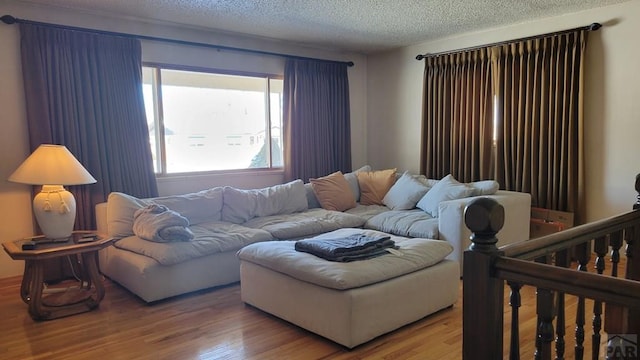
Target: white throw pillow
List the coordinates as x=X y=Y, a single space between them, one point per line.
x=484 y=187
x=405 y=193
x=446 y=189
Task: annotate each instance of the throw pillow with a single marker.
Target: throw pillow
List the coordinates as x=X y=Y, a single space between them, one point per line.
x=312 y=200
x=352 y=179
x=446 y=189
x=374 y=185
x=484 y=187
x=405 y=193
x=333 y=192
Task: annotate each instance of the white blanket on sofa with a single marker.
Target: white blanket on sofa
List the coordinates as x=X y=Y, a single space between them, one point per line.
x=157 y=223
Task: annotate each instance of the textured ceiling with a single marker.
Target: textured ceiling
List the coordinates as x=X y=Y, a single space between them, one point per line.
x=365 y=26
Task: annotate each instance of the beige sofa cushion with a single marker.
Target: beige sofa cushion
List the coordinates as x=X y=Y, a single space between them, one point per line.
x=198 y=207
x=410 y=223
x=120 y=210
x=306 y=223
x=242 y=205
x=209 y=238
x=282 y=257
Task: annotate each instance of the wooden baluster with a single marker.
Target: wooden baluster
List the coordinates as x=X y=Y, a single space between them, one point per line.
x=583 y=255
x=562 y=260
x=615 y=241
x=538 y=342
x=600 y=247
x=619 y=319
x=483 y=295
x=544 y=309
x=633 y=273
x=515 y=302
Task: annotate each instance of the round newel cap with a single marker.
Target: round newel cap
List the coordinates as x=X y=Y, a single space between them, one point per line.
x=484 y=216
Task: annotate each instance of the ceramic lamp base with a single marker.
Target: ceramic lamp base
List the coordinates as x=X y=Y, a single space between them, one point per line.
x=55 y=210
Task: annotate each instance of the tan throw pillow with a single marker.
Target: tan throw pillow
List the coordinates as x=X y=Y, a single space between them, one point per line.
x=333 y=192
x=374 y=185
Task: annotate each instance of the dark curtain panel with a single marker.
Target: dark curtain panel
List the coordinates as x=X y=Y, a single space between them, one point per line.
x=457 y=116
x=317 y=128
x=540 y=133
x=84 y=91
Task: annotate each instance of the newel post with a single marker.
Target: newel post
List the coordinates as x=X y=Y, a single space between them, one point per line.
x=483 y=295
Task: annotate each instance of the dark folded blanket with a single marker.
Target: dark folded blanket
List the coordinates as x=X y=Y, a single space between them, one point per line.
x=350 y=248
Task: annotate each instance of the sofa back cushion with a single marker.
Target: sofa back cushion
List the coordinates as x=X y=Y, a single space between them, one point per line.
x=484 y=187
x=312 y=199
x=198 y=207
x=352 y=179
x=243 y=205
x=120 y=210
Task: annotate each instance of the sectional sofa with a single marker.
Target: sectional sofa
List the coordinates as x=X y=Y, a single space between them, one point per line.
x=226 y=219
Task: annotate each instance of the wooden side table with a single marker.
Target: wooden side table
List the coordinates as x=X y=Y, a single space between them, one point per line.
x=87 y=296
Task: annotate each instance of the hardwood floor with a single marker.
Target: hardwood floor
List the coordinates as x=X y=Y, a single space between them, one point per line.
x=215 y=324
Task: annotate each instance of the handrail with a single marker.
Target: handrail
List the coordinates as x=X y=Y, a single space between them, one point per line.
x=593 y=286
x=488 y=268
x=549 y=244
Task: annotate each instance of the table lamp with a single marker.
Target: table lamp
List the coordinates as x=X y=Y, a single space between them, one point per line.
x=53 y=166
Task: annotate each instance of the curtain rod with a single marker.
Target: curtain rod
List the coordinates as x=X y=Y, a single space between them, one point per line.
x=8 y=19
x=591 y=27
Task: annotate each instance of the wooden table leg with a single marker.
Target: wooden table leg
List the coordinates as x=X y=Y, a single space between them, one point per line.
x=26 y=281
x=91 y=268
x=35 y=291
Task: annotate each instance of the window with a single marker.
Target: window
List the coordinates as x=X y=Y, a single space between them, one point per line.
x=204 y=121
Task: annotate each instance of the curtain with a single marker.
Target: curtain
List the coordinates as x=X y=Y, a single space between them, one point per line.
x=316 y=119
x=540 y=133
x=512 y=113
x=457 y=116
x=84 y=91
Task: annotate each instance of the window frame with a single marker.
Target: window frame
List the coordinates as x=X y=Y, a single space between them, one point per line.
x=158 y=115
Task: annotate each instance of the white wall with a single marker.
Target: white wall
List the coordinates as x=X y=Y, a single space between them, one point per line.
x=15 y=199
x=611 y=101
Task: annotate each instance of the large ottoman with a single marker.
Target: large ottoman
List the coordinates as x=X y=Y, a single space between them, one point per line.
x=353 y=302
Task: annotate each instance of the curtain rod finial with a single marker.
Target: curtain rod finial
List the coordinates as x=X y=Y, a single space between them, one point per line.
x=595 y=26
x=8 y=19
x=350 y=63
x=420 y=57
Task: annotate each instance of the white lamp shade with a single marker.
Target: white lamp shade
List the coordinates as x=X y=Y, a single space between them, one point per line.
x=51 y=165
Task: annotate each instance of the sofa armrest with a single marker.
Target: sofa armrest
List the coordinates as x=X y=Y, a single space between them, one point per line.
x=451 y=226
x=101 y=218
